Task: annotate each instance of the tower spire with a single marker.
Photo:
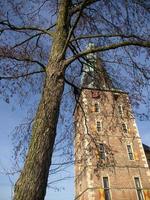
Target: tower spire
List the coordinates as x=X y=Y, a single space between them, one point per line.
x=94 y=73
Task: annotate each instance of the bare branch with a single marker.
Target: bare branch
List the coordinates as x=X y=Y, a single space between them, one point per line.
x=6 y=55
x=20 y=76
x=143 y=72
x=61 y=179
x=28 y=39
x=109 y=47
x=13 y=27
x=74 y=26
x=105 y=35
x=76 y=8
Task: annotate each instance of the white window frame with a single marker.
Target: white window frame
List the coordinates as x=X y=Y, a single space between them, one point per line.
x=141 y=188
x=129 y=152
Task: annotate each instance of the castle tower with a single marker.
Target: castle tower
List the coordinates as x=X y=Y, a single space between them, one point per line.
x=110 y=162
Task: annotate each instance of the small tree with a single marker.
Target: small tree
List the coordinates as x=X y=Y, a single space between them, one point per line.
x=30 y=30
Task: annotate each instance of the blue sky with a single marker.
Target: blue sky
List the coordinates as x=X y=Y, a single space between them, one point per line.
x=8 y=120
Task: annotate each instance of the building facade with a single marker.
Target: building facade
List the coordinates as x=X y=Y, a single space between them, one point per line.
x=110 y=162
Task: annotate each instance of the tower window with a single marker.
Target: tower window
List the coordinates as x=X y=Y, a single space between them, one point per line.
x=106 y=188
x=102 y=151
x=99 y=126
x=130 y=152
x=138 y=188
x=120 y=110
x=96 y=107
x=116 y=96
x=124 y=128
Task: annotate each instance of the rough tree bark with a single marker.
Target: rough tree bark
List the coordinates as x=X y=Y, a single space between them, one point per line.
x=115 y=33
x=33 y=179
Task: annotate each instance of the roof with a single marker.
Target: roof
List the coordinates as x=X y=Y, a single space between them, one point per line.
x=146 y=148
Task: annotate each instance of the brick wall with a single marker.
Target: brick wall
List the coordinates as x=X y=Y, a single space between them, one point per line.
x=117 y=166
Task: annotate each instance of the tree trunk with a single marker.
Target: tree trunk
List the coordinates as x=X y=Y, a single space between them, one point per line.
x=32 y=182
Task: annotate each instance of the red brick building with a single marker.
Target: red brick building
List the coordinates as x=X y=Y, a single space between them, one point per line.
x=110 y=160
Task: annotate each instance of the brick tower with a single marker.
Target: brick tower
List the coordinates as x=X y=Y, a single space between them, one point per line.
x=110 y=162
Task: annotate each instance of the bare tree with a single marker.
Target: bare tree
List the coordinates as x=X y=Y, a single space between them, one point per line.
x=43 y=44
